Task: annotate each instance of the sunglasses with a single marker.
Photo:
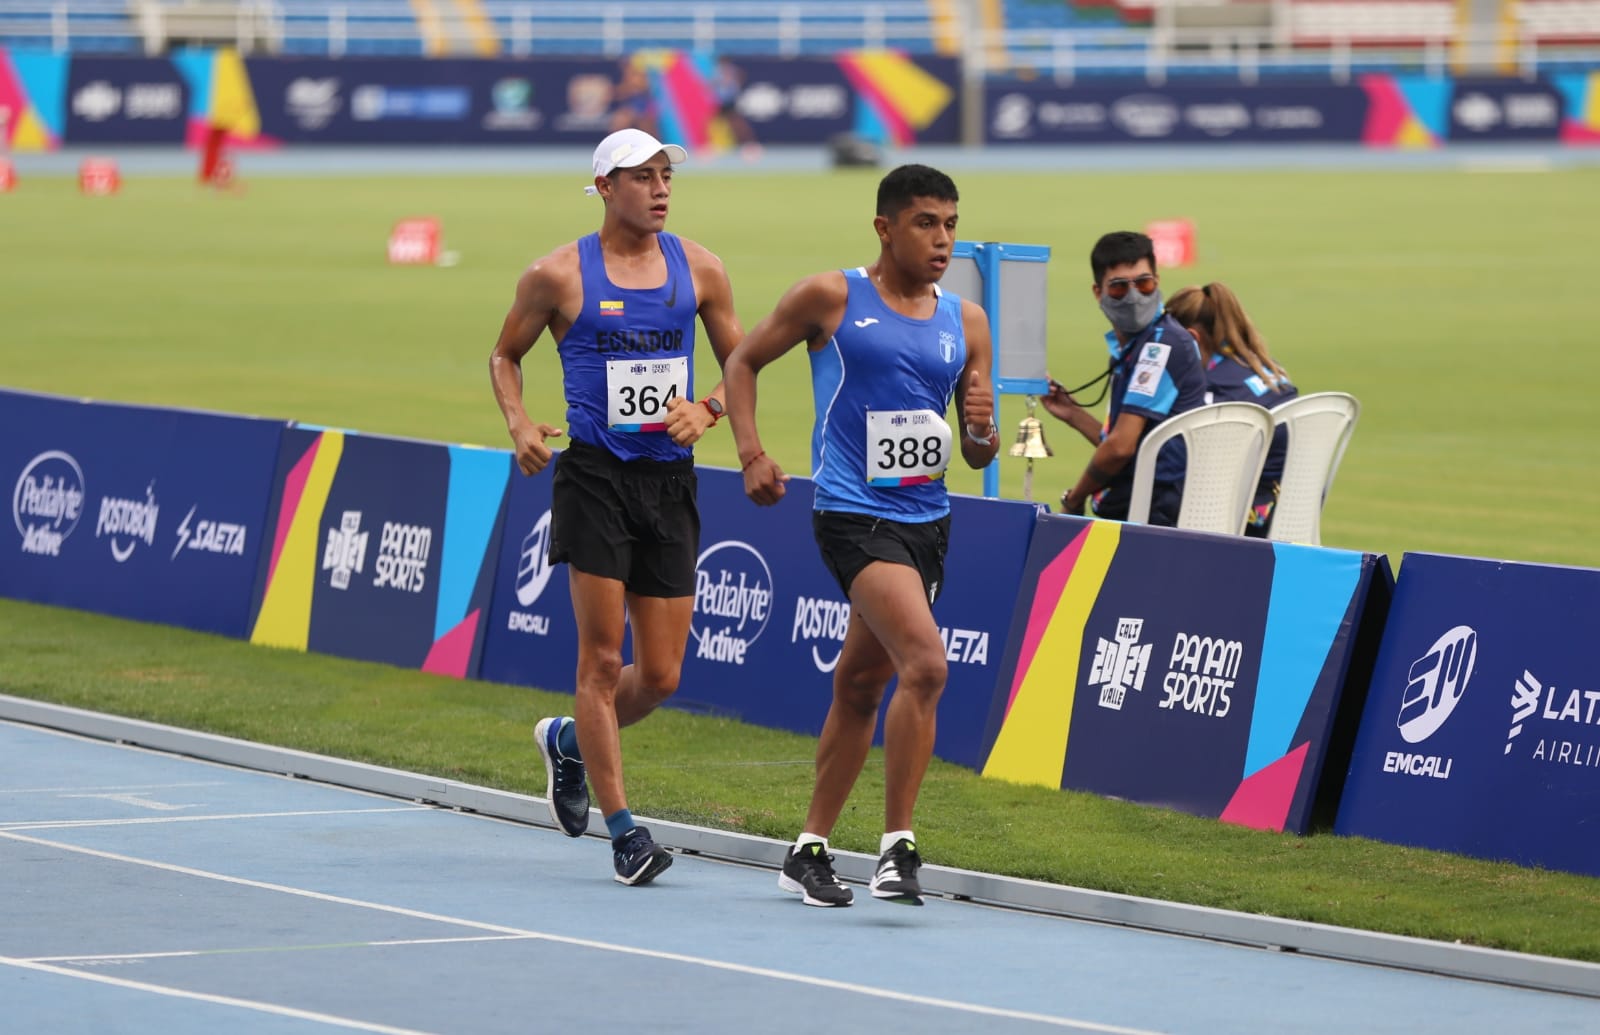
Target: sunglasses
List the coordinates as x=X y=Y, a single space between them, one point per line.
x=1118 y=288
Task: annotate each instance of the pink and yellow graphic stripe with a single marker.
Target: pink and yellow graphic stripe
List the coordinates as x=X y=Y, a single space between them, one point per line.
x=285 y=616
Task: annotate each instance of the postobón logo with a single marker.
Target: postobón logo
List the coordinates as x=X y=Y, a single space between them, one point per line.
x=533 y=574
x=1434 y=686
x=1557 y=711
x=47 y=502
x=345 y=553
x=127 y=522
x=732 y=601
x=817 y=618
x=1120 y=664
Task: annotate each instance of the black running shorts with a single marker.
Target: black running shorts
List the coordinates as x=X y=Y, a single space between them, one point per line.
x=631 y=520
x=850 y=542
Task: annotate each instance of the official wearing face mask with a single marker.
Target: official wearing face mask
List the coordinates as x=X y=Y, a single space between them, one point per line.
x=1156 y=373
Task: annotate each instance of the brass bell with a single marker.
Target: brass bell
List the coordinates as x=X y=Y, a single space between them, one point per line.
x=1030 y=441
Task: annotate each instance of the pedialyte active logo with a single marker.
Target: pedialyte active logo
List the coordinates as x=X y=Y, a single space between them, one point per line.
x=1435 y=684
x=128 y=522
x=533 y=574
x=732 y=601
x=47 y=502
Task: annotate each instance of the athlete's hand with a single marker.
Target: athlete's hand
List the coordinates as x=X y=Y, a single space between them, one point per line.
x=528 y=444
x=763 y=480
x=977 y=406
x=687 y=421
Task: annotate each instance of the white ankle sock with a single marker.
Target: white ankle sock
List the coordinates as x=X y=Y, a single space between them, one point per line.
x=893 y=836
x=810 y=839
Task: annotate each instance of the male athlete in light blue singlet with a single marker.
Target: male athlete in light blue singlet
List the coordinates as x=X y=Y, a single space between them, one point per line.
x=621 y=305
x=889 y=350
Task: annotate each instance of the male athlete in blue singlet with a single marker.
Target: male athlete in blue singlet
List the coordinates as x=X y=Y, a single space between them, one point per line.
x=621 y=306
x=888 y=352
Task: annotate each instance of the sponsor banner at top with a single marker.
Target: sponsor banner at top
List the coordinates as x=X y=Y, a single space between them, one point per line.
x=125 y=100
x=1133 y=112
x=1481 y=733
x=1504 y=109
x=133 y=511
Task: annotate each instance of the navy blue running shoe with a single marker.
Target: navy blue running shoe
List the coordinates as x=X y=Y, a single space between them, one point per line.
x=637 y=857
x=566 y=786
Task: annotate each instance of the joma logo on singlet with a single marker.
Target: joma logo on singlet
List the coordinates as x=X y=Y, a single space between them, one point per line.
x=639 y=340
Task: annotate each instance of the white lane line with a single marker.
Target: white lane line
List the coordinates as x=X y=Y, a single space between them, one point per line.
x=71 y=824
x=136 y=957
x=219 y=1000
x=129 y=787
x=587 y=943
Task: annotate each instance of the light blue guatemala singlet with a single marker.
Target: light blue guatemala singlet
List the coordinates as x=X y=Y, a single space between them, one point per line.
x=627 y=353
x=881 y=387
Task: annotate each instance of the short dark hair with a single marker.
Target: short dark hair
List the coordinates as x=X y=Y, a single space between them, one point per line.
x=897 y=189
x=1120 y=248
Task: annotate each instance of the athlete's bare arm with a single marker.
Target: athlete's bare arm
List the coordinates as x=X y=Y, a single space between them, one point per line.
x=808 y=312
x=975 y=390
x=685 y=421
x=549 y=295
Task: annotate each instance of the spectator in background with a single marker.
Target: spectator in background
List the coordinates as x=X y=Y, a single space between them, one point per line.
x=633 y=105
x=1238 y=367
x=1156 y=373
x=726 y=83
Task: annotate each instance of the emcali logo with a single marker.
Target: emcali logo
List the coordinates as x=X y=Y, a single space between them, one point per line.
x=1435 y=685
x=533 y=574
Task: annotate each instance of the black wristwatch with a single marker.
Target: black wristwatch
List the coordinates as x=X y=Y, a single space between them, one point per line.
x=714 y=406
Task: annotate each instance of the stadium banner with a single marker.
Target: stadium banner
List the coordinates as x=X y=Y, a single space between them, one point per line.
x=883 y=95
x=140 y=512
x=1505 y=109
x=1481 y=733
x=769 y=620
x=1199 y=672
x=1182 y=112
x=125 y=100
x=381 y=549
x=33 y=94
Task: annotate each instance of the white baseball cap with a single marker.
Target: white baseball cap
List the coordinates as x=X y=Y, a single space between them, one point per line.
x=627 y=148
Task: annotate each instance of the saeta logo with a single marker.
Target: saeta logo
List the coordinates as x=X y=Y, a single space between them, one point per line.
x=1436 y=682
x=732 y=601
x=47 y=502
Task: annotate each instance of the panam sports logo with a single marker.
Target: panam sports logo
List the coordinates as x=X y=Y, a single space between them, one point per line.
x=47 y=502
x=732 y=601
x=1434 y=686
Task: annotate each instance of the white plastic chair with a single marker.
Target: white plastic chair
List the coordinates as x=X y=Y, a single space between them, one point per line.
x=1320 y=426
x=1227 y=445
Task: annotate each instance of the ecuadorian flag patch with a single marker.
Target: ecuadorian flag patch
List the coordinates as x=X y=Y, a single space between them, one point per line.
x=610 y=308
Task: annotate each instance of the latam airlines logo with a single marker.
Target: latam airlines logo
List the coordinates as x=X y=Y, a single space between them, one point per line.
x=1435 y=684
x=1120 y=663
x=533 y=574
x=732 y=601
x=128 y=522
x=1557 y=711
x=47 y=502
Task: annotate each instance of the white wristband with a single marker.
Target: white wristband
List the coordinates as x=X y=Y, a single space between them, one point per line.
x=987 y=440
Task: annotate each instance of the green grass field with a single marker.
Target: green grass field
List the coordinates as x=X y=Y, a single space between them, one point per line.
x=1450 y=303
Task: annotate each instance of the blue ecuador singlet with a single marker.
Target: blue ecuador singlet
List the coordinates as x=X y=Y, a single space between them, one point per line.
x=627 y=353
x=882 y=386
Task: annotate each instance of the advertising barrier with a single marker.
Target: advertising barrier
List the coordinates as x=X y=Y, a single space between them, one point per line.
x=1205 y=673
x=381 y=549
x=1481 y=733
x=769 y=620
x=135 y=511
x=125 y=101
